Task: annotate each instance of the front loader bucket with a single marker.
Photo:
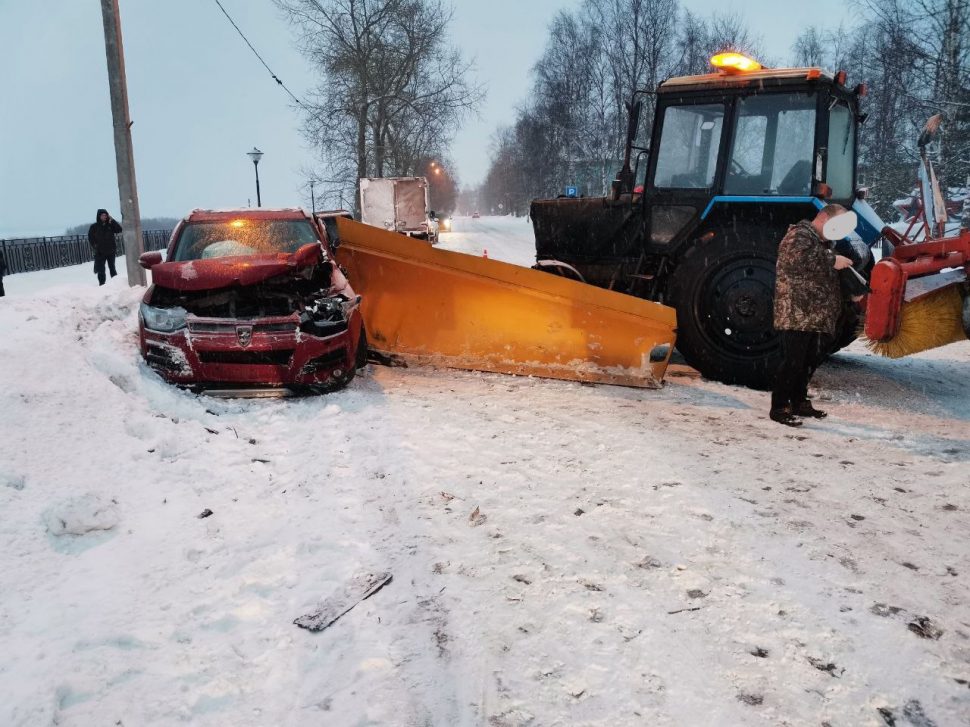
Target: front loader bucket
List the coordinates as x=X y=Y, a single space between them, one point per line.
x=431 y=306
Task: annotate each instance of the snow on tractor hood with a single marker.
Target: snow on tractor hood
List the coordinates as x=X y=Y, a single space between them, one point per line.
x=224 y=272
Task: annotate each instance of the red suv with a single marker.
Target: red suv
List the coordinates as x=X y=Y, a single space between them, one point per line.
x=251 y=300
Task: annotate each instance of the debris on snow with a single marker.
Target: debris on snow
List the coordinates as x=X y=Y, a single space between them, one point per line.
x=360 y=588
x=881 y=609
x=828 y=667
x=912 y=714
x=753 y=699
x=924 y=628
x=204 y=514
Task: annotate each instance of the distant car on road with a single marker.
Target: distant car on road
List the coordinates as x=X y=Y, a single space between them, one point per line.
x=444 y=224
x=251 y=302
x=475 y=215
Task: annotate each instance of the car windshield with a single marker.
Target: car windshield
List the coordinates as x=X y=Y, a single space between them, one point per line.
x=206 y=240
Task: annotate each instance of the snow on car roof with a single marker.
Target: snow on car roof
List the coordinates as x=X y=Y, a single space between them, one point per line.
x=260 y=213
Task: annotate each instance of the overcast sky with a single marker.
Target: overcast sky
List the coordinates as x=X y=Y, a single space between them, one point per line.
x=200 y=100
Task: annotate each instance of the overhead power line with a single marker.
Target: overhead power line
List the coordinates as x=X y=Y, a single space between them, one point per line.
x=256 y=53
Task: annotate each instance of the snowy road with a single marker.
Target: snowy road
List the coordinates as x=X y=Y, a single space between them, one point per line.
x=508 y=239
x=562 y=554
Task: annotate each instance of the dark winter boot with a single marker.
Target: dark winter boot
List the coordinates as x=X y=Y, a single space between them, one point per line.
x=805 y=409
x=785 y=416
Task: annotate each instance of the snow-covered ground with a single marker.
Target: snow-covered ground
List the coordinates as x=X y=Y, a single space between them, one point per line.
x=562 y=554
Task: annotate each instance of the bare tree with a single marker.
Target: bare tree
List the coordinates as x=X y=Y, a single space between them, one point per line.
x=692 y=45
x=596 y=60
x=391 y=91
x=729 y=32
x=810 y=48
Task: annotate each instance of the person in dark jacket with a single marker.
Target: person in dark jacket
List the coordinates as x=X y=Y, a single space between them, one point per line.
x=101 y=235
x=808 y=301
x=3 y=271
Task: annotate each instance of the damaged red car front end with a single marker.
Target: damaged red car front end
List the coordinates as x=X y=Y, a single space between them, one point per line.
x=251 y=301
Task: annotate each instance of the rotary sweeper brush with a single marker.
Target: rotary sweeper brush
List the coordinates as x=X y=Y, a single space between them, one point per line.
x=919 y=296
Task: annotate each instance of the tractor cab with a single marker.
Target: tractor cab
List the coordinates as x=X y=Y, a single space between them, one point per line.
x=694 y=219
x=779 y=137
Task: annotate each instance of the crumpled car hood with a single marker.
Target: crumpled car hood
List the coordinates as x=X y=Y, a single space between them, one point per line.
x=224 y=272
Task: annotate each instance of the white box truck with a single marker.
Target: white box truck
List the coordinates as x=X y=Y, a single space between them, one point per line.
x=399 y=204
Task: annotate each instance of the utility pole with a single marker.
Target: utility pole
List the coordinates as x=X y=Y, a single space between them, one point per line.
x=124 y=155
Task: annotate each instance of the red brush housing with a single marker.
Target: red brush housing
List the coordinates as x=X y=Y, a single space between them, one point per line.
x=910 y=261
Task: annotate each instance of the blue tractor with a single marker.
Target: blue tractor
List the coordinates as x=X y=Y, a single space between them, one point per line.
x=694 y=220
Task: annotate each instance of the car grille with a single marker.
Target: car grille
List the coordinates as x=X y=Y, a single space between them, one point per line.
x=278 y=357
x=230 y=327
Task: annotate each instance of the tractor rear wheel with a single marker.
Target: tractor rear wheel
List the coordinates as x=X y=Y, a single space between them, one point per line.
x=724 y=294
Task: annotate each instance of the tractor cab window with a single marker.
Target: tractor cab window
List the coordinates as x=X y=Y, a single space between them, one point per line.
x=689 y=143
x=841 y=151
x=774 y=139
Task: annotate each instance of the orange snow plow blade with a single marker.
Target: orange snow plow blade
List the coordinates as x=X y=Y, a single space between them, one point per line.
x=431 y=306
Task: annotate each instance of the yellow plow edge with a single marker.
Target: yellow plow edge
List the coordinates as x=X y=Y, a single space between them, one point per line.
x=435 y=307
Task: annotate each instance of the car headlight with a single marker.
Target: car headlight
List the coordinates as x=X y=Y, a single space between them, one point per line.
x=163 y=320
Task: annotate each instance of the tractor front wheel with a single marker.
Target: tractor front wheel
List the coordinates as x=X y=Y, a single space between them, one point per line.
x=724 y=294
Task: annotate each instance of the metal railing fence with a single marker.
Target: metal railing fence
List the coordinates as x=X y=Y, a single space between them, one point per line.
x=25 y=255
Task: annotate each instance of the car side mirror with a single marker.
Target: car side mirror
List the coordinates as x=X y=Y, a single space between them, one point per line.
x=148 y=260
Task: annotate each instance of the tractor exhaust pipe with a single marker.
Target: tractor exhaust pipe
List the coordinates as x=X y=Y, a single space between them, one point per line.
x=623 y=184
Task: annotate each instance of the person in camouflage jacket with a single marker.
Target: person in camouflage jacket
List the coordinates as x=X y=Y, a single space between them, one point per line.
x=808 y=301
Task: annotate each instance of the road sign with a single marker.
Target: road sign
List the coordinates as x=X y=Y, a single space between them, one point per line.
x=572 y=191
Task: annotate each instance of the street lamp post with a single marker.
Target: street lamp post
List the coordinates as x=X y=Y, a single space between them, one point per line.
x=256 y=155
x=313 y=200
